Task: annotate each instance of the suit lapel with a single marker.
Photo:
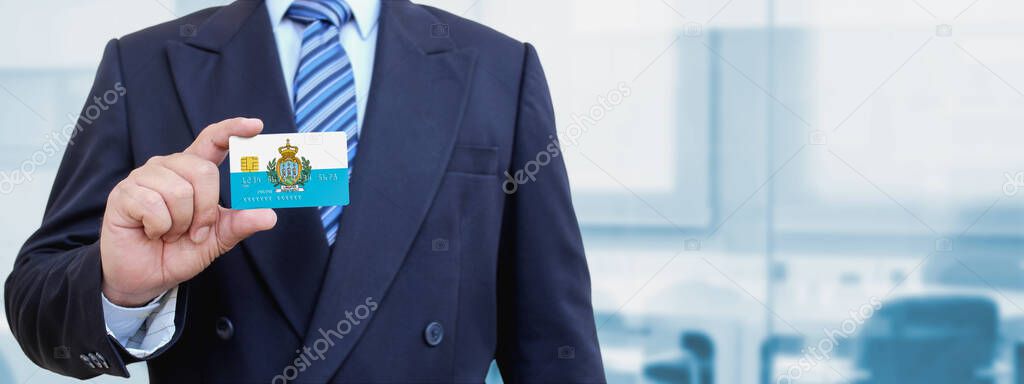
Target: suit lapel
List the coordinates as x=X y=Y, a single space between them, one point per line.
x=418 y=92
x=230 y=68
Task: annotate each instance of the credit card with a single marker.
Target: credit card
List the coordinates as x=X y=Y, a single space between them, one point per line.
x=289 y=170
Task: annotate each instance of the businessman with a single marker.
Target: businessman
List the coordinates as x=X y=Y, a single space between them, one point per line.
x=434 y=269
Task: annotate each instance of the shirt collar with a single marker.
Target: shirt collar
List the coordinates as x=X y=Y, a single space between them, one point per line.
x=366 y=13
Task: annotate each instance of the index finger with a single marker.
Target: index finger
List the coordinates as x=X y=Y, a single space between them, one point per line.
x=212 y=142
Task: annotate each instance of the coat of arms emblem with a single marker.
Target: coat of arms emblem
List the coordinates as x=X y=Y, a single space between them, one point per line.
x=288 y=173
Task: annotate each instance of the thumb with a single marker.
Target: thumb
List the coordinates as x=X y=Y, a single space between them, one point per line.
x=234 y=226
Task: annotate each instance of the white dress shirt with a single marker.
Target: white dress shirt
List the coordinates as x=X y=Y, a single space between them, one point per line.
x=145 y=329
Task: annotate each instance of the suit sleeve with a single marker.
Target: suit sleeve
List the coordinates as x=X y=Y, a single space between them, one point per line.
x=53 y=294
x=545 y=318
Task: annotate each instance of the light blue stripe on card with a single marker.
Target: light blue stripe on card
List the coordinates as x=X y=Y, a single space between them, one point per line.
x=326 y=187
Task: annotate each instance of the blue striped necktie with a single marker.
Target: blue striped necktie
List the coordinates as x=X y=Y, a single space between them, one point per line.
x=324 y=87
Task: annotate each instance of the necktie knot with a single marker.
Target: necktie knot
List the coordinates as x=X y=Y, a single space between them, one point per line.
x=335 y=12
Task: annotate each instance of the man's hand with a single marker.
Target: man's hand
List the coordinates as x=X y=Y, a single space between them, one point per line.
x=163 y=224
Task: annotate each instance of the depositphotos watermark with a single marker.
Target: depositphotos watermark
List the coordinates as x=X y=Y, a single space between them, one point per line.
x=579 y=126
x=55 y=141
x=1014 y=182
x=822 y=350
x=528 y=173
x=595 y=113
x=326 y=341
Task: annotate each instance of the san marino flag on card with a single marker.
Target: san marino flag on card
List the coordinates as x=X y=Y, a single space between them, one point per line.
x=289 y=170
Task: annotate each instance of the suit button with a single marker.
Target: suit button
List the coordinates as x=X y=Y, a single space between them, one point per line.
x=433 y=334
x=224 y=328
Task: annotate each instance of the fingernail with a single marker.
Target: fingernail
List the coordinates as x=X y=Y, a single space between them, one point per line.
x=200 y=234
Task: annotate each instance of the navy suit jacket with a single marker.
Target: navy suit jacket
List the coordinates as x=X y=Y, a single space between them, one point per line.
x=459 y=272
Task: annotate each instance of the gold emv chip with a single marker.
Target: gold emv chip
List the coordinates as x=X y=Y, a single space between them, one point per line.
x=250 y=164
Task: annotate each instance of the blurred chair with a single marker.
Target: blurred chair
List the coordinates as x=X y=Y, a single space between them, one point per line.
x=1011 y=331
x=1019 y=364
x=774 y=347
x=696 y=364
x=929 y=340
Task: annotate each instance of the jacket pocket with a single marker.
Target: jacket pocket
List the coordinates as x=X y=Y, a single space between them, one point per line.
x=475 y=160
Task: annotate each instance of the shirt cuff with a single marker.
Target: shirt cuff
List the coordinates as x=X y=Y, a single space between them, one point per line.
x=142 y=330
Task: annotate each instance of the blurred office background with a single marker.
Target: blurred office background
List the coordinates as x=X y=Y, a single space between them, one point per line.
x=771 y=191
